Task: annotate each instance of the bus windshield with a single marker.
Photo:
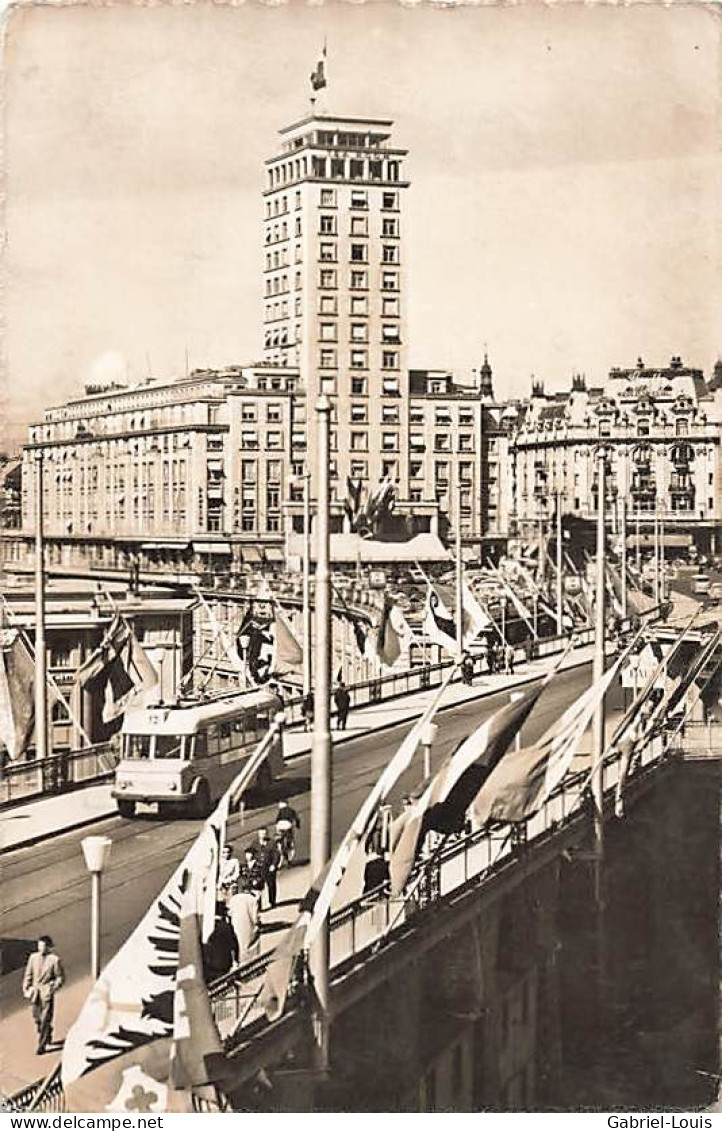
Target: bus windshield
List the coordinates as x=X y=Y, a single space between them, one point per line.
x=156 y=746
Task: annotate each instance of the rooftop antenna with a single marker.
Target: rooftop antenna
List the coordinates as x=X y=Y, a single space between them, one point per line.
x=186 y=356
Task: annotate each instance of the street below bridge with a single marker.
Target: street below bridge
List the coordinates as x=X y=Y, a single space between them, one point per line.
x=47 y=890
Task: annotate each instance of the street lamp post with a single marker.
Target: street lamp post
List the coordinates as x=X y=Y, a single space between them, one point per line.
x=623 y=536
x=306 y=623
x=560 y=579
x=598 y=668
x=428 y=738
x=41 y=686
x=459 y=580
x=96 y=850
x=321 y=745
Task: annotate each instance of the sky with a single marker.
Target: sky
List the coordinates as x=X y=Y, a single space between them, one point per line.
x=564 y=208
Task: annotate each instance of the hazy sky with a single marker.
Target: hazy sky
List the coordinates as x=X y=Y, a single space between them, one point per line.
x=565 y=202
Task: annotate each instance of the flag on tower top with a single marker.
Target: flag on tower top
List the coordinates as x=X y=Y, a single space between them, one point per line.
x=318 y=76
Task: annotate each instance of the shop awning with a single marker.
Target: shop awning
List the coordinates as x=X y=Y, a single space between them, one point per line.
x=164 y=545
x=671 y=541
x=212 y=548
x=251 y=554
x=274 y=554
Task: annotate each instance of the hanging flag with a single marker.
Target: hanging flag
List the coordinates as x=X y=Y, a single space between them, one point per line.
x=524 y=779
x=288 y=653
x=439 y=624
x=443 y=804
x=386 y=642
x=17 y=693
x=255 y=643
x=318 y=75
x=145 y=1034
x=119 y=668
x=317 y=901
x=352 y=505
x=476 y=618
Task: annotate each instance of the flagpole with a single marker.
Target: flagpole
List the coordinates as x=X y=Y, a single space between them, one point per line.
x=42 y=745
x=459 y=579
x=560 y=580
x=321 y=745
x=306 y=583
x=656 y=551
x=597 y=783
x=623 y=534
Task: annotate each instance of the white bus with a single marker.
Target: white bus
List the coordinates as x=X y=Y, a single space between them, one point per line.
x=182 y=756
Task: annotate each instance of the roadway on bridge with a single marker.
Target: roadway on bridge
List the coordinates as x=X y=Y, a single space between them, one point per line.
x=46 y=887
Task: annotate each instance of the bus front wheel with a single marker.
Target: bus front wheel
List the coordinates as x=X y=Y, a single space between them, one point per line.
x=201 y=803
x=126 y=809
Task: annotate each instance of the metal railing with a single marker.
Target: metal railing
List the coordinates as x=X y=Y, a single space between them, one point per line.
x=470 y=860
x=369 y=921
x=699 y=739
x=59 y=772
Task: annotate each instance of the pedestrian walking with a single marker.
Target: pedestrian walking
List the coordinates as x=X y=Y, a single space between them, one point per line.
x=342 y=699
x=307 y=709
x=509 y=659
x=251 y=876
x=467 y=670
x=43 y=978
x=243 y=914
x=221 y=950
x=229 y=870
x=268 y=858
x=377 y=875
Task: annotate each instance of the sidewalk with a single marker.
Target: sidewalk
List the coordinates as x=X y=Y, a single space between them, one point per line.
x=51 y=816
x=46 y=817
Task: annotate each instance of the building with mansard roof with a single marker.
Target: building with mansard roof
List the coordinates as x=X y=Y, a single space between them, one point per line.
x=662 y=428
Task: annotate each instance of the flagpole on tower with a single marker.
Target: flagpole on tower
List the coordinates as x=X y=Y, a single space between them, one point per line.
x=41 y=687
x=321 y=745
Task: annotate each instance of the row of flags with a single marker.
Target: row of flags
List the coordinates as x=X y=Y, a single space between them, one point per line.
x=481 y=779
x=118 y=671
x=146 y=1039
x=146 y=1034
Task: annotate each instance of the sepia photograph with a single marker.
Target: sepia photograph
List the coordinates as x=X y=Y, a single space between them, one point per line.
x=361 y=558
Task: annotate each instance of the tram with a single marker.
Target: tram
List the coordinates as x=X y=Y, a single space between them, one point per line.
x=182 y=756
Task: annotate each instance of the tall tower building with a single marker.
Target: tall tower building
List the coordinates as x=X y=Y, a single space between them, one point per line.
x=334 y=296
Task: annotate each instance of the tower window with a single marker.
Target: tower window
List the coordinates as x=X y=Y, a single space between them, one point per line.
x=327 y=225
x=356 y=170
x=327 y=253
x=390 y=253
x=389 y=281
x=359 y=359
x=389 y=227
x=359 y=386
x=358 y=253
x=328 y=198
x=327 y=359
x=390 y=201
x=359 y=226
x=359 y=199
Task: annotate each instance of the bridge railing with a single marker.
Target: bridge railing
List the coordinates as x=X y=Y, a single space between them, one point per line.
x=367 y=921
x=58 y=772
x=68 y=769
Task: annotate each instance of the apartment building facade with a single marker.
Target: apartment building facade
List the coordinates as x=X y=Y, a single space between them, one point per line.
x=661 y=429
